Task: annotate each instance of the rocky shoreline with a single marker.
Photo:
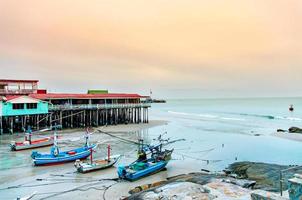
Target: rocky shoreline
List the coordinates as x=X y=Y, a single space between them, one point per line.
x=239 y=181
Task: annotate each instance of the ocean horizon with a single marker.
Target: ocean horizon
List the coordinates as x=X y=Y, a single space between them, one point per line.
x=220 y=131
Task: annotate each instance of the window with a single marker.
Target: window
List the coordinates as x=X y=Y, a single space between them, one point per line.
x=18 y=106
x=31 y=105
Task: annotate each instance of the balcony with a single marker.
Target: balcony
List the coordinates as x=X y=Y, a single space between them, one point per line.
x=97 y=106
x=17 y=92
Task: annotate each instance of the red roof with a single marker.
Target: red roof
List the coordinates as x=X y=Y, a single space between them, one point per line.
x=11 y=97
x=17 y=81
x=85 y=96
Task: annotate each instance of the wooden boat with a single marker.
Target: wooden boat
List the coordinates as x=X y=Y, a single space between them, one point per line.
x=28 y=143
x=141 y=168
x=61 y=157
x=55 y=156
x=109 y=161
x=84 y=167
x=17 y=146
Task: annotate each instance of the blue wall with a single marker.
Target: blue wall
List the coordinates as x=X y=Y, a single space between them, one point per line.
x=7 y=109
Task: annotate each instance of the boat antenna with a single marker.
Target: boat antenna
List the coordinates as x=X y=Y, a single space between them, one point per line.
x=87 y=137
x=55 y=148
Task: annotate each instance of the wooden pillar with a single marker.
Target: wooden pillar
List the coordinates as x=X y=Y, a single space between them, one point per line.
x=38 y=119
x=11 y=125
x=97 y=117
x=61 y=118
x=106 y=117
x=1 y=126
x=50 y=122
x=71 y=119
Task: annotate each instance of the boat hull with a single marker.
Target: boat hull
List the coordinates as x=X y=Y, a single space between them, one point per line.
x=142 y=173
x=63 y=157
x=15 y=146
x=96 y=165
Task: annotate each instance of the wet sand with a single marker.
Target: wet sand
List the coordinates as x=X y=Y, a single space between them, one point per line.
x=19 y=178
x=289 y=136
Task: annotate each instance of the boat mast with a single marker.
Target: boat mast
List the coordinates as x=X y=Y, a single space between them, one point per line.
x=55 y=148
x=87 y=138
x=108 y=152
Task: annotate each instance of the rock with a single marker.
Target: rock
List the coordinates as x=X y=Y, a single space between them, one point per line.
x=295 y=130
x=240 y=182
x=222 y=190
x=175 y=191
x=263 y=195
x=266 y=175
x=199 y=178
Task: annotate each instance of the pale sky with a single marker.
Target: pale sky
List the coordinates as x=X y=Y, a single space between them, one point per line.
x=179 y=48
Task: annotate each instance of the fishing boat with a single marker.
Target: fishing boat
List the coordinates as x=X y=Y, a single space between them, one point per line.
x=144 y=166
x=99 y=164
x=28 y=143
x=56 y=156
x=17 y=146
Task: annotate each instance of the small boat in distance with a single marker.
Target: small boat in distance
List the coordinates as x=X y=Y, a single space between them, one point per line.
x=99 y=164
x=56 y=157
x=28 y=143
x=144 y=166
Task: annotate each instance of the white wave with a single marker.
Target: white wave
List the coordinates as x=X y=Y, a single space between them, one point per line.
x=289 y=118
x=234 y=119
x=207 y=116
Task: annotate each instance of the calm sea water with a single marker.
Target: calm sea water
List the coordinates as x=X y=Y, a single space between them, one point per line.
x=223 y=130
x=217 y=133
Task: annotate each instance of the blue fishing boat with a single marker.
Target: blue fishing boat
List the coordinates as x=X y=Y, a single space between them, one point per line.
x=143 y=167
x=56 y=156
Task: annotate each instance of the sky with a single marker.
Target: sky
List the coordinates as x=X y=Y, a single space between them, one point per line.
x=178 y=49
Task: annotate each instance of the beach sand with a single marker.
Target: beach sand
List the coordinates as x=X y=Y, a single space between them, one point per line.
x=19 y=178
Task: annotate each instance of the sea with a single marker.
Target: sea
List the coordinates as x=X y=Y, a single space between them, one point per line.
x=210 y=133
x=219 y=132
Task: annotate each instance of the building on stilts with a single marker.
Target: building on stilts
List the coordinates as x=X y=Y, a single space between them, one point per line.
x=22 y=105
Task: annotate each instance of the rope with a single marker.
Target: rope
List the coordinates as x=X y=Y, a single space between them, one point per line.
x=192 y=157
x=120 y=138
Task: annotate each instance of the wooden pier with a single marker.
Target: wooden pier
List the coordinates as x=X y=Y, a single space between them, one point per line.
x=78 y=116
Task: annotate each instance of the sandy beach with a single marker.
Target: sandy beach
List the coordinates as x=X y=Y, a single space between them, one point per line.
x=20 y=178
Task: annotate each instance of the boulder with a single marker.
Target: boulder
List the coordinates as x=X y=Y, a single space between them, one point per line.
x=263 y=195
x=266 y=175
x=295 y=130
x=175 y=191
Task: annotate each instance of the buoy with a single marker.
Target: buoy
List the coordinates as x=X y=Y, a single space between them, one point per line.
x=291 y=108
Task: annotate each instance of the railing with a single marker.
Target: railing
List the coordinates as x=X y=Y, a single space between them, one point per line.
x=98 y=106
x=21 y=91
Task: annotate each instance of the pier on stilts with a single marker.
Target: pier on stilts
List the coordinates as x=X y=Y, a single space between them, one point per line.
x=78 y=116
x=21 y=108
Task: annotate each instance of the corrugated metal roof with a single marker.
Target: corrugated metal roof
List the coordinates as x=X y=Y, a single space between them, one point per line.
x=17 y=81
x=86 y=96
x=11 y=97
